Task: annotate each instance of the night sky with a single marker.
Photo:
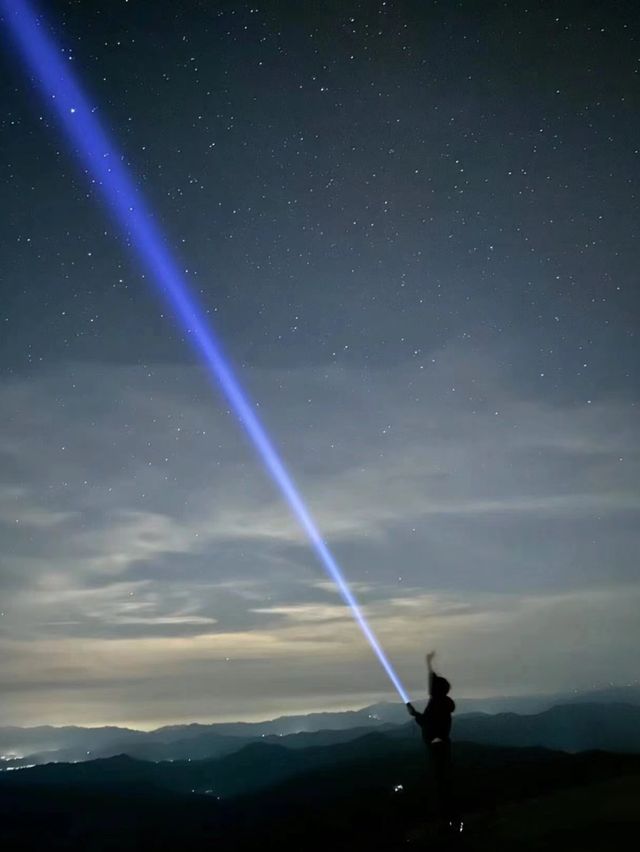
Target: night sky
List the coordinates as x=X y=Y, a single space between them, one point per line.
x=414 y=225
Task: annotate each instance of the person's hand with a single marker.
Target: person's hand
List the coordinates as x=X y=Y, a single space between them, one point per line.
x=430 y=657
x=411 y=709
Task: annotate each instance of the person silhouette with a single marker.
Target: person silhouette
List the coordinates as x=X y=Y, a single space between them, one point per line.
x=435 y=724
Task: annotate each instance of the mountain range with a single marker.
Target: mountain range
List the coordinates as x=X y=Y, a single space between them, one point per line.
x=370 y=793
x=233 y=765
x=531 y=781
x=571 y=727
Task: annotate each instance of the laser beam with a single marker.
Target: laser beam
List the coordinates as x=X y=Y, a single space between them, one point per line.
x=105 y=168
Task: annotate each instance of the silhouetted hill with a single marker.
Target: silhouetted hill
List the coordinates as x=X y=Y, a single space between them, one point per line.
x=282 y=725
x=330 y=737
x=594 y=817
x=197 y=741
x=369 y=795
x=21 y=746
x=47 y=738
x=570 y=727
x=262 y=764
x=253 y=767
x=522 y=704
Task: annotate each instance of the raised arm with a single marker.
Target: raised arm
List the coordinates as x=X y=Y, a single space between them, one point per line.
x=429 y=659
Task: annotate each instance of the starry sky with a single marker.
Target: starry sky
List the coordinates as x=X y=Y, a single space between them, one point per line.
x=415 y=227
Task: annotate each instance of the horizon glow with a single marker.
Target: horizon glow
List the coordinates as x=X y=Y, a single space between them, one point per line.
x=105 y=168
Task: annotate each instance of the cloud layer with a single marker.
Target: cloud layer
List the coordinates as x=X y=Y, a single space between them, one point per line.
x=150 y=571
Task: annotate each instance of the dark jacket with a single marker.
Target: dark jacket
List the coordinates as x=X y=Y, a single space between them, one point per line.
x=435 y=722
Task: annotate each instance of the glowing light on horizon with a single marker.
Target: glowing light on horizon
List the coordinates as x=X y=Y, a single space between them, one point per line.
x=105 y=168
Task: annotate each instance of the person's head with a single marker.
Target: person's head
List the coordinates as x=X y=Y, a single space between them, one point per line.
x=440 y=686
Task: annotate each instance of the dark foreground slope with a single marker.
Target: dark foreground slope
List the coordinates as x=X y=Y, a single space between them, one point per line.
x=349 y=799
x=595 y=817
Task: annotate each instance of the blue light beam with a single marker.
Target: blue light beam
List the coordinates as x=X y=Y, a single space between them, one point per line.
x=105 y=168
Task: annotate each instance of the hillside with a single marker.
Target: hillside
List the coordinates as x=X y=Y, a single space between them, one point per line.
x=571 y=727
x=366 y=795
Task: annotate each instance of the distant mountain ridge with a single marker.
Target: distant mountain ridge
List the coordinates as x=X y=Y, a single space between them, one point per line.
x=261 y=764
x=567 y=727
x=341 y=789
x=20 y=746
